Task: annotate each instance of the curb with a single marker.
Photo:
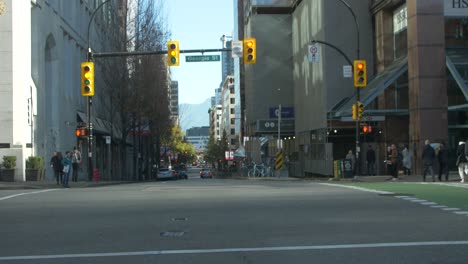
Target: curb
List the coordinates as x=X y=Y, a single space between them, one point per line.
x=54 y=186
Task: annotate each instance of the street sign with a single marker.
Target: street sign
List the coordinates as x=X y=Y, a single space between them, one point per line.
x=347 y=71
x=237 y=49
x=108 y=140
x=364 y=119
x=202 y=58
x=314 y=53
x=286 y=112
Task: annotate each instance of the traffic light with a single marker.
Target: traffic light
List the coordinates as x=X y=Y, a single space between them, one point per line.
x=81 y=131
x=360 y=73
x=360 y=109
x=367 y=129
x=173 y=53
x=87 y=78
x=250 y=51
x=355 y=112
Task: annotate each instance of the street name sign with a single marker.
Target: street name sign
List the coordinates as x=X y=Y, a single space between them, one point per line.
x=202 y=58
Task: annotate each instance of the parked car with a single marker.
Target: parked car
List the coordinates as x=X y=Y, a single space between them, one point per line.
x=166 y=174
x=206 y=173
x=182 y=174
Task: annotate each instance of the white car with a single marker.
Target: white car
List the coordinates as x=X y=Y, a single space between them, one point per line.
x=166 y=174
x=206 y=173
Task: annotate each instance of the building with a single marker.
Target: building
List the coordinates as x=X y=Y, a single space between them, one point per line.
x=198 y=136
x=227 y=122
x=174 y=100
x=227 y=62
x=215 y=117
x=44 y=43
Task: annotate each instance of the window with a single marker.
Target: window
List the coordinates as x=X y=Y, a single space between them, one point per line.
x=233 y=131
x=231 y=90
x=233 y=121
x=233 y=100
x=400 y=32
x=232 y=111
x=233 y=141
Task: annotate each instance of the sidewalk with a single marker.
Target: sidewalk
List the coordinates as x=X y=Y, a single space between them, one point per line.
x=33 y=185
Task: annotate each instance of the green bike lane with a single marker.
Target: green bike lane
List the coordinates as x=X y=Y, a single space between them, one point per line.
x=450 y=195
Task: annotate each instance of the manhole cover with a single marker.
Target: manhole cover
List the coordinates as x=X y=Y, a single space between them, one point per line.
x=396 y=194
x=172 y=233
x=180 y=219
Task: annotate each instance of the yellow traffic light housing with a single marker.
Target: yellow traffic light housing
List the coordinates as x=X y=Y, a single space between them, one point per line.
x=360 y=108
x=173 y=53
x=250 y=51
x=87 y=78
x=355 y=113
x=360 y=73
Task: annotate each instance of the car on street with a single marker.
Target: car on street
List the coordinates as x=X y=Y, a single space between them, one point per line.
x=166 y=174
x=182 y=174
x=206 y=173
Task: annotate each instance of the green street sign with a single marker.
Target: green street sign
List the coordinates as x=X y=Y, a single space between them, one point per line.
x=202 y=58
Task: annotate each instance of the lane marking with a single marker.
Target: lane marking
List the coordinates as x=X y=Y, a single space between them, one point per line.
x=429 y=203
x=418 y=201
x=462 y=213
x=451 y=209
x=26 y=193
x=355 y=188
x=239 y=250
x=439 y=206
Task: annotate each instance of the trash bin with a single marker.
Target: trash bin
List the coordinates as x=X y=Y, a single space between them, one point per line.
x=348 y=168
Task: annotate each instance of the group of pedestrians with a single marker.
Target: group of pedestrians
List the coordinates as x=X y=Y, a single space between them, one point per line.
x=62 y=165
x=432 y=154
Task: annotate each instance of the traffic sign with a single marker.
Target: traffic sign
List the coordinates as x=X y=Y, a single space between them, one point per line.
x=347 y=71
x=364 y=118
x=202 y=58
x=237 y=49
x=314 y=53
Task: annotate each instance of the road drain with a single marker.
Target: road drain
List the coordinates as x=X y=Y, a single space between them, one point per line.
x=180 y=219
x=395 y=194
x=172 y=234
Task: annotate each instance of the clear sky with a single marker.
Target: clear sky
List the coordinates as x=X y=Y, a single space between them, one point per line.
x=199 y=24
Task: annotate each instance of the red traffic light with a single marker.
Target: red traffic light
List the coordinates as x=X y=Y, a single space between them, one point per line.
x=360 y=66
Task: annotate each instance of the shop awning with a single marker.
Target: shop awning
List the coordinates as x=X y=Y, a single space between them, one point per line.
x=457 y=60
x=376 y=86
x=101 y=126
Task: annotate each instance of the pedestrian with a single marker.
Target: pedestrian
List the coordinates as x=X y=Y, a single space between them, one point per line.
x=66 y=162
x=55 y=163
x=428 y=156
x=350 y=156
x=443 y=161
x=394 y=162
x=462 y=161
x=406 y=160
x=76 y=161
x=370 y=157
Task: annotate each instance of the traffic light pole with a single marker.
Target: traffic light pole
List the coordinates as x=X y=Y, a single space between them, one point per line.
x=89 y=107
x=157 y=52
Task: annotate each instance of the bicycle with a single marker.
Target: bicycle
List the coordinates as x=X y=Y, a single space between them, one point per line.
x=257 y=171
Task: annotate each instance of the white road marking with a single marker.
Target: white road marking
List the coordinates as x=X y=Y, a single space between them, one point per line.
x=451 y=209
x=439 y=206
x=462 y=213
x=27 y=193
x=418 y=201
x=239 y=250
x=355 y=188
x=429 y=203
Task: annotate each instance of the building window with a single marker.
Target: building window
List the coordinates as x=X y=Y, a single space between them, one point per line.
x=233 y=142
x=233 y=100
x=232 y=111
x=400 y=32
x=233 y=131
x=233 y=121
x=231 y=90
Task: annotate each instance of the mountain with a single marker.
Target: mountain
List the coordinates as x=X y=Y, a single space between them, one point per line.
x=194 y=115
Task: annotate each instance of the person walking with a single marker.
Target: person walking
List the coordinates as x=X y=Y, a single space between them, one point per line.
x=462 y=161
x=370 y=157
x=394 y=162
x=443 y=161
x=428 y=155
x=406 y=160
x=66 y=162
x=76 y=160
x=55 y=163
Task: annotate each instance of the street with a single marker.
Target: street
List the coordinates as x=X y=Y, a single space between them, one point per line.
x=225 y=221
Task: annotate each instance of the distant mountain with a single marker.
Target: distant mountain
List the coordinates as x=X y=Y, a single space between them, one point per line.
x=194 y=115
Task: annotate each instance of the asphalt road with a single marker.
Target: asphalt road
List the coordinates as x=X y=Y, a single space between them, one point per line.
x=225 y=221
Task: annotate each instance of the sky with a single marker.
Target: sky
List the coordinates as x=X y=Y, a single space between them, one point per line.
x=199 y=24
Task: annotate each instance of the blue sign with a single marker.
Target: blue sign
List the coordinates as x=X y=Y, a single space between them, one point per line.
x=286 y=112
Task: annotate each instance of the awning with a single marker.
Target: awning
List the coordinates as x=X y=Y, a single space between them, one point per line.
x=101 y=126
x=240 y=152
x=376 y=86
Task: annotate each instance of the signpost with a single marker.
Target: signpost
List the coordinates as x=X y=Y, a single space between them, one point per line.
x=202 y=58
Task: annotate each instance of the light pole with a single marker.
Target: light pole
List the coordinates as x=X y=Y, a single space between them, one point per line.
x=89 y=57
